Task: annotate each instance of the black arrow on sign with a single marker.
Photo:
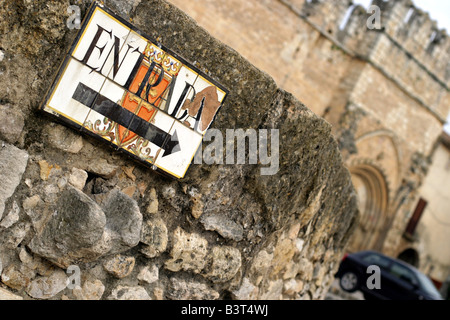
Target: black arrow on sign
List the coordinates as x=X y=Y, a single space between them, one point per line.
x=172 y=145
x=115 y=112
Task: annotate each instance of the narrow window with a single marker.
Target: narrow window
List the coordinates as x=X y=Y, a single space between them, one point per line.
x=414 y=221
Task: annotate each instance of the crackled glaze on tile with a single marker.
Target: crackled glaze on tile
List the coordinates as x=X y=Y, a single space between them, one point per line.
x=122 y=87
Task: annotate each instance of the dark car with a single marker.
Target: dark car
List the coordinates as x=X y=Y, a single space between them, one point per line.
x=398 y=280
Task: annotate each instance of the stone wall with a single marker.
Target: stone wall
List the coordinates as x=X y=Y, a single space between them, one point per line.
x=68 y=201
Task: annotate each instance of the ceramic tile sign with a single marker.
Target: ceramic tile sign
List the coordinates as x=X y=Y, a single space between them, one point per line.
x=118 y=85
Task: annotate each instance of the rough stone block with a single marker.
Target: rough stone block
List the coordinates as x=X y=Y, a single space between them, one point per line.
x=73 y=231
x=129 y=293
x=154 y=236
x=91 y=290
x=6 y=295
x=123 y=219
x=120 y=266
x=180 y=289
x=13 y=163
x=189 y=252
x=226 y=262
x=48 y=287
x=63 y=139
x=223 y=225
x=12 y=123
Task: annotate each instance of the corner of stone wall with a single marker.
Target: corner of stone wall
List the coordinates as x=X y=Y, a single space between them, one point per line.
x=73 y=206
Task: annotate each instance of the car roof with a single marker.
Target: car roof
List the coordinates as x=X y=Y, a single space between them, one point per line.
x=396 y=261
x=393 y=260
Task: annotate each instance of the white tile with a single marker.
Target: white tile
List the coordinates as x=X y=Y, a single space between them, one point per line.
x=177 y=163
x=112 y=91
x=132 y=103
x=143 y=148
x=156 y=95
x=163 y=121
x=154 y=53
x=201 y=84
x=62 y=102
x=134 y=46
x=171 y=65
x=101 y=57
x=186 y=75
x=97 y=122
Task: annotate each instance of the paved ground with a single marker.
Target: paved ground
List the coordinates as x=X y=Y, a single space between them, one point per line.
x=336 y=293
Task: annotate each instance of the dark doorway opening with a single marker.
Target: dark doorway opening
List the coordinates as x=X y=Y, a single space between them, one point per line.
x=410 y=256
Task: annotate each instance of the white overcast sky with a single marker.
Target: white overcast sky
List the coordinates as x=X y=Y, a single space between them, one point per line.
x=439 y=10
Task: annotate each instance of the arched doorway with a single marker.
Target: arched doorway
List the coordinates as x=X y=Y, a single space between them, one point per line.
x=370 y=185
x=410 y=256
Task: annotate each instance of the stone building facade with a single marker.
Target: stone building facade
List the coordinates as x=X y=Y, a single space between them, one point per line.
x=427 y=233
x=384 y=90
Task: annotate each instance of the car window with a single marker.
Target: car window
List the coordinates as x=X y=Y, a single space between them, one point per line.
x=403 y=273
x=427 y=285
x=374 y=259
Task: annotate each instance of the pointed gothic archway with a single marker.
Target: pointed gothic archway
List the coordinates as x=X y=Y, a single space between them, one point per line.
x=370 y=185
